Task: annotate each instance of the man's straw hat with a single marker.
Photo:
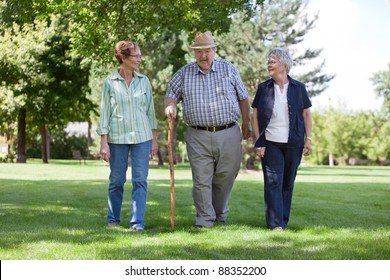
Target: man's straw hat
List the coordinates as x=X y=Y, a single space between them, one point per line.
x=203 y=41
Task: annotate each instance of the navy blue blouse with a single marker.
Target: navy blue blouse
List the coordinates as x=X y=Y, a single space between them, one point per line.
x=297 y=100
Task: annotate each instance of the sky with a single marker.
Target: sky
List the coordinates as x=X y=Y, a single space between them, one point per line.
x=355 y=38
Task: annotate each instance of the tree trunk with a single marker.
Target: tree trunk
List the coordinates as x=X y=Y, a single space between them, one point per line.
x=160 y=159
x=48 y=142
x=250 y=162
x=21 y=157
x=44 y=144
x=90 y=140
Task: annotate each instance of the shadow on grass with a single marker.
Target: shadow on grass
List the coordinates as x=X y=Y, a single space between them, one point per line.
x=327 y=222
x=352 y=171
x=343 y=174
x=267 y=247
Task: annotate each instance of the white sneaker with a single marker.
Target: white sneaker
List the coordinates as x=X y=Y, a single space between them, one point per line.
x=137 y=228
x=277 y=228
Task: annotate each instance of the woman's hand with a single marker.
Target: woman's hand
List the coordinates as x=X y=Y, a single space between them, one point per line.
x=105 y=152
x=307 y=147
x=154 y=150
x=260 y=151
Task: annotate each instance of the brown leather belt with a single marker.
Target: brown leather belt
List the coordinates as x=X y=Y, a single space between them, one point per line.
x=214 y=128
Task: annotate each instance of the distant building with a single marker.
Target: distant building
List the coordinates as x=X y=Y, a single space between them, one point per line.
x=3 y=150
x=77 y=129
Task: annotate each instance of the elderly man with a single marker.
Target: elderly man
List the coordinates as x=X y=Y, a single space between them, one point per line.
x=212 y=96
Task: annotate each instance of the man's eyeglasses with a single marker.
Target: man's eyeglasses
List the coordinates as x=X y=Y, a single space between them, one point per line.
x=136 y=56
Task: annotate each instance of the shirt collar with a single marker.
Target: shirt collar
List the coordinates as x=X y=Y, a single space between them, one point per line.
x=290 y=80
x=116 y=75
x=198 y=70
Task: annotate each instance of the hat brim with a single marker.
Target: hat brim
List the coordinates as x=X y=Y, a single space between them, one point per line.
x=206 y=46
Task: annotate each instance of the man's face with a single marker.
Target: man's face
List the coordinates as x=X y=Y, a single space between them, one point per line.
x=204 y=58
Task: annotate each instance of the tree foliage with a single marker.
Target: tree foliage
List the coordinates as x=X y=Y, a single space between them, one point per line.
x=103 y=22
x=38 y=67
x=279 y=23
x=46 y=59
x=381 y=80
x=92 y=29
x=348 y=138
x=97 y=25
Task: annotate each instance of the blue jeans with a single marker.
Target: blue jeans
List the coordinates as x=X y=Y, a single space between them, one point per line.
x=140 y=154
x=280 y=164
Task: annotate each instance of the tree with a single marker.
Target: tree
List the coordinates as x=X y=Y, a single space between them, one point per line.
x=321 y=139
x=349 y=138
x=94 y=27
x=98 y=24
x=381 y=80
x=51 y=80
x=160 y=54
x=280 y=23
x=377 y=144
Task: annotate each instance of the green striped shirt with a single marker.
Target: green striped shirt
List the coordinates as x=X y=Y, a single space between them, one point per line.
x=127 y=113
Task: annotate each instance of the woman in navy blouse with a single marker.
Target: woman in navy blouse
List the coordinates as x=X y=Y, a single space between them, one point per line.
x=282 y=126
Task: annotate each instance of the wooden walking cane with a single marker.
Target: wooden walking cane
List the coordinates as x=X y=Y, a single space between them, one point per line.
x=171 y=171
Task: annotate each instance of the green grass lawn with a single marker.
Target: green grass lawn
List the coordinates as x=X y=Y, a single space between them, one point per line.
x=58 y=211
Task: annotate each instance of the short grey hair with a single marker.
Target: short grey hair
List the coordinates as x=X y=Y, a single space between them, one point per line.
x=283 y=56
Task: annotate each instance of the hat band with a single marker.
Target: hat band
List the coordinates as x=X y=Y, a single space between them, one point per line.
x=204 y=45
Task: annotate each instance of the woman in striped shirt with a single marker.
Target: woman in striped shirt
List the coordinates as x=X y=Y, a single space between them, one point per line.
x=127 y=125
